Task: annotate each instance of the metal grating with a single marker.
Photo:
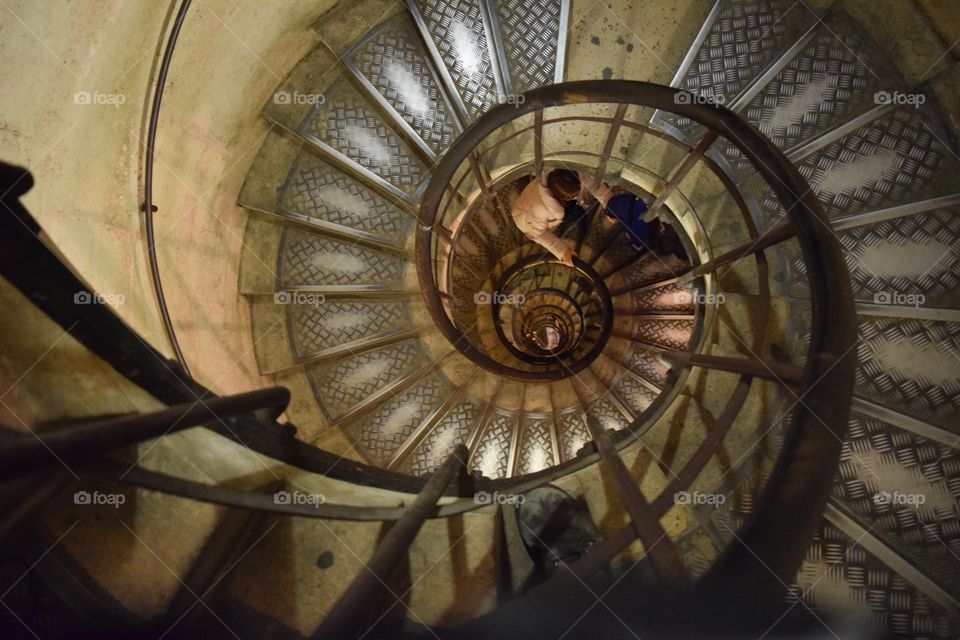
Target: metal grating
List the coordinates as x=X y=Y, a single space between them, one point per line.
x=651 y=268
x=315 y=189
x=393 y=61
x=307 y=258
x=348 y=124
x=746 y=37
x=606 y=415
x=456 y=28
x=503 y=236
x=648 y=367
x=635 y=394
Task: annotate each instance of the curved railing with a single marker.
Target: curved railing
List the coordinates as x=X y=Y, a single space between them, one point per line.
x=795 y=493
x=148 y=206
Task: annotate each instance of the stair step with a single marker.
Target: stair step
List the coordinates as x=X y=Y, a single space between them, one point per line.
x=852 y=174
x=773 y=27
x=417 y=105
x=290 y=180
x=455 y=33
x=809 y=94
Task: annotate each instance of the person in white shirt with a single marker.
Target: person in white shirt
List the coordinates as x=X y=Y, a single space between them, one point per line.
x=538 y=210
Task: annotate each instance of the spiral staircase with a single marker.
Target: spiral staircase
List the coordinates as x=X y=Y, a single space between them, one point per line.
x=772 y=422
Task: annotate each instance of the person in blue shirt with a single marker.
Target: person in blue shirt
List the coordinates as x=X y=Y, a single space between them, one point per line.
x=659 y=237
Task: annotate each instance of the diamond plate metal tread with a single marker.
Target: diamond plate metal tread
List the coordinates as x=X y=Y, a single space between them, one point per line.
x=472 y=260
x=605 y=413
x=306 y=258
x=717 y=522
x=840 y=575
x=315 y=328
x=346 y=383
x=746 y=37
x=493 y=450
x=573 y=432
x=896 y=159
x=529 y=30
x=503 y=236
x=646 y=366
x=635 y=394
x=452 y=430
x=916 y=254
x=599 y=232
x=381 y=433
x=315 y=189
x=350 y=125
x=911 y=366
x=619 y=251
x=456 y=28
x=392 y=59
x=465 y=319
x=652 y=268
x=669 y=334
x=669 y=297
x=535 y=448
x=833 y=79
x=878 y=457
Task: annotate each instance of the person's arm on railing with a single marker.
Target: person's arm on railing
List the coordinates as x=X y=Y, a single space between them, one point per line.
x=538 y=231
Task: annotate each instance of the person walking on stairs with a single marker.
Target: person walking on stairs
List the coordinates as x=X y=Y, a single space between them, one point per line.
x=545 y=203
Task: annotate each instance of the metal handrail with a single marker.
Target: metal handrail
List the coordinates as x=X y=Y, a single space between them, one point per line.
x=148 y=206
x=22 y=453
